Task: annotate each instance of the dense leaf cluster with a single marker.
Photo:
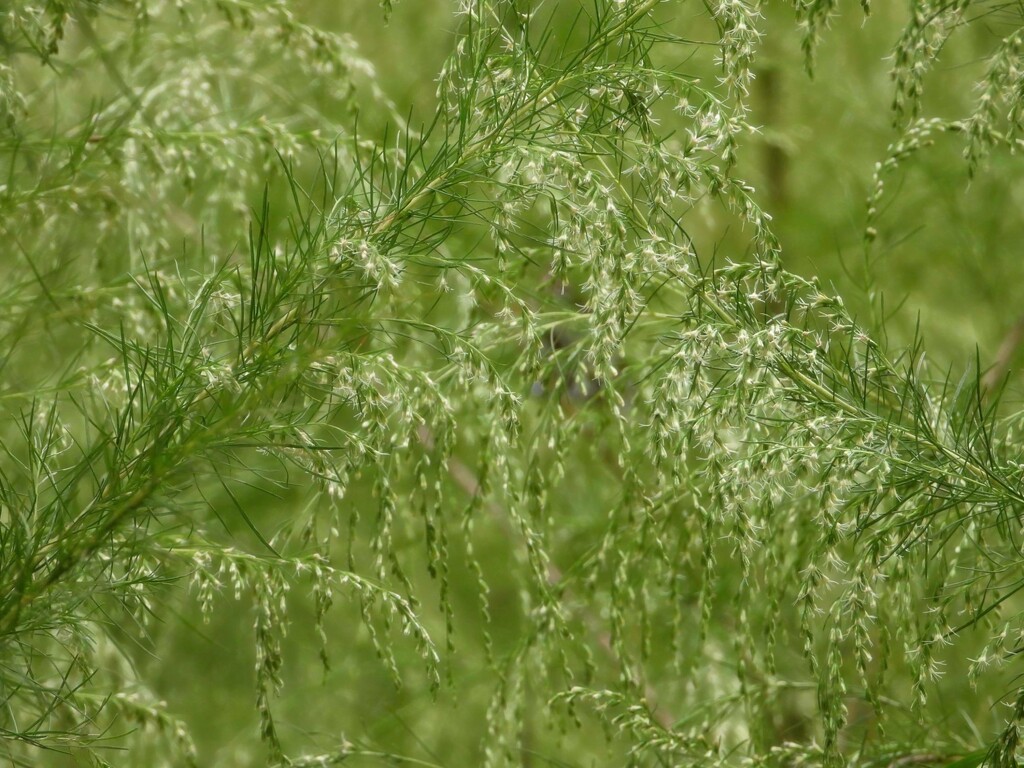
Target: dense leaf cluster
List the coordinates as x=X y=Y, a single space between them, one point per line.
x=502 y=378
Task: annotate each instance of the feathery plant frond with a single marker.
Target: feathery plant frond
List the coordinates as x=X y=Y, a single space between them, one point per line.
x=502 y=378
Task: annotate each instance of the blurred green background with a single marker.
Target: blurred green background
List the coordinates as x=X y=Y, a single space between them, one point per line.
x=946 y=261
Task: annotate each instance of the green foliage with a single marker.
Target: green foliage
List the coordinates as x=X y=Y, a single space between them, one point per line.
x=529 y=380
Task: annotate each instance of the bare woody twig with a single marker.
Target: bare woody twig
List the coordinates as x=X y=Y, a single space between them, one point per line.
x=1007 y=349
